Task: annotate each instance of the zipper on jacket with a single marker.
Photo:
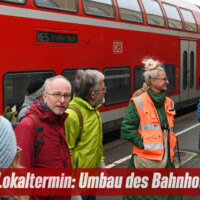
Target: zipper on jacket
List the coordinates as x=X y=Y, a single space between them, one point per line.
x=77 y=162
x=60 y=139
x=99 y=138
x=61 y=144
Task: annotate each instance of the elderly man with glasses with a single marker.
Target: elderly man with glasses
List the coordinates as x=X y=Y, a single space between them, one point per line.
x=84 y=136
x=50 y=114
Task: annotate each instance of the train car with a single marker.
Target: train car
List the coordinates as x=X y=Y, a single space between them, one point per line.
x=44 y=38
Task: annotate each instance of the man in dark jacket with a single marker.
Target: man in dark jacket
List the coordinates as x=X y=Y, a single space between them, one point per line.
x=35 y=91
x=51 y=113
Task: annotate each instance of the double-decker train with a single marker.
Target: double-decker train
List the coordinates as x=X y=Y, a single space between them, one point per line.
x=44 y=38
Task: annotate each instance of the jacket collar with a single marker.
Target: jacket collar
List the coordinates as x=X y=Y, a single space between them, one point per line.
x=84 y=103
x=45 y=114
x=158 y=99
x=29 y=100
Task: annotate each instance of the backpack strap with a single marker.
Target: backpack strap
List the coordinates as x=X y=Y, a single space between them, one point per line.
x=80 y=117
x=14 y=124
x=25 y=105
x=39 y=141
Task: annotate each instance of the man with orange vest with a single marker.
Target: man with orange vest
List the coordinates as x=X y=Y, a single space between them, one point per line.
x=149 y=125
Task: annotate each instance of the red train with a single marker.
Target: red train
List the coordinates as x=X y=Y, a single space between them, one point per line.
x=42 y=38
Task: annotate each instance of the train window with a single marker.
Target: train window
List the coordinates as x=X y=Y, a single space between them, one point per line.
x=14 y=1
x=185 y=70
x=118 y=85
x=101 y=8
x=130 y=10
x=191 y=69
x=190 y=22
x=68 y=5
x=138 y=77
x=173 y=16
x=70 y=75
x=170 y=71
x=15 y=85
x=154 y=13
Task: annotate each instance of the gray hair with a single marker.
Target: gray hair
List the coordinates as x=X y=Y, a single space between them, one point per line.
x=86 y=82
x=38 y=93
x=48 y=82
x=152 y=67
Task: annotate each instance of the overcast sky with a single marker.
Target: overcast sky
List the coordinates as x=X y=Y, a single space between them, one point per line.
x=197 y=2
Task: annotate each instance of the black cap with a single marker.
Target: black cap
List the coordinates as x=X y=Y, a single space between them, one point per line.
x=34 y=86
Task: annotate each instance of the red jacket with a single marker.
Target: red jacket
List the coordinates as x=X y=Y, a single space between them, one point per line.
x=54 y=152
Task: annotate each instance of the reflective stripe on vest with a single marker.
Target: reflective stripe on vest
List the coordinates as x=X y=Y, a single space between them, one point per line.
x=171 y=129
x=153 y=146
x=149 y=127
x=172 y=104
x=139 y=101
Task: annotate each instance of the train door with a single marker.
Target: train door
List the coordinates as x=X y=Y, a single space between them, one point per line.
x=188 y=72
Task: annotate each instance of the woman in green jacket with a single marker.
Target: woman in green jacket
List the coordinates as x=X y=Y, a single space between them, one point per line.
x=156 y=79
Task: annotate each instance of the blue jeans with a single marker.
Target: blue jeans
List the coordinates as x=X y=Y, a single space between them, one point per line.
x=88 y=197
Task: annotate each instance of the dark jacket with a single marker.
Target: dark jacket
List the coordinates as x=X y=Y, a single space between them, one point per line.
x=55 y=152
x=28 y=101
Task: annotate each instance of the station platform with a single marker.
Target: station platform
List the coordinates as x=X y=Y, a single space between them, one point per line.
x=187 y=128
x=188 y=159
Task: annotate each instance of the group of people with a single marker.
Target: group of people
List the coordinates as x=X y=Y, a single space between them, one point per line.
x=61 y=145
x=72 y=129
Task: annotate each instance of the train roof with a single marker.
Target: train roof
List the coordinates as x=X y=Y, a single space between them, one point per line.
x=184 y=4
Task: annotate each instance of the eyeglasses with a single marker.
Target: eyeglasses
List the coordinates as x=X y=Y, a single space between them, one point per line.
x=58 y=96
x=104 y=90
x=164 y=78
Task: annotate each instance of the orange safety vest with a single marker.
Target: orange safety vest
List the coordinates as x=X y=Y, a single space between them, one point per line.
x=150 y=128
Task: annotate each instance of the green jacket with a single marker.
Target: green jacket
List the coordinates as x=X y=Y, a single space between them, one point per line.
x=88 y=153
x=129 y=132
